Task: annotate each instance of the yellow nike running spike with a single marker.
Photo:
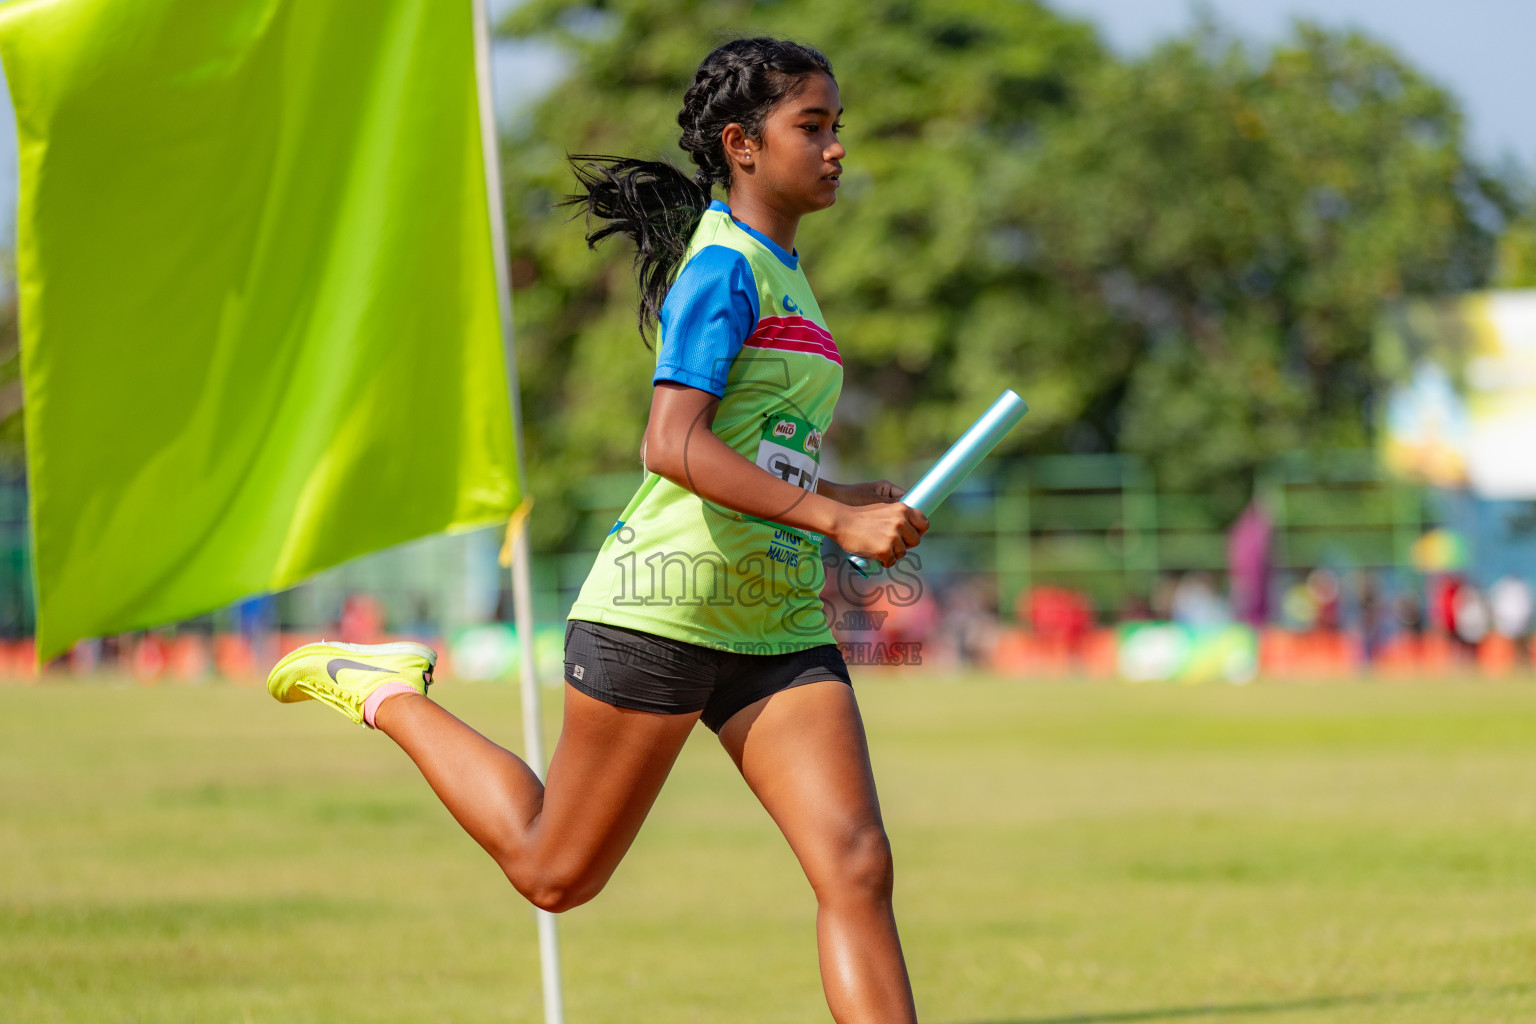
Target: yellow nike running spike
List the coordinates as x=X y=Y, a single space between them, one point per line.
x=344 y=675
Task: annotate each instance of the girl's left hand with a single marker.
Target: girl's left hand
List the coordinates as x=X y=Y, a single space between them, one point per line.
x=875 y=492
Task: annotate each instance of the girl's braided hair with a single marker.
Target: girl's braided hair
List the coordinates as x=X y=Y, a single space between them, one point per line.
x=657 y=205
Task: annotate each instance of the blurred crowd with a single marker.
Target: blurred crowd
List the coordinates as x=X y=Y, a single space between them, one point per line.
x=1320 y=621
x=1323 y=620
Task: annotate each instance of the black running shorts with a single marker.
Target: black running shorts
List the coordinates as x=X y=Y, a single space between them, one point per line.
x=645 y=672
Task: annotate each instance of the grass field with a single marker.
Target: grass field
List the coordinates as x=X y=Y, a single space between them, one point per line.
x=1066 y=854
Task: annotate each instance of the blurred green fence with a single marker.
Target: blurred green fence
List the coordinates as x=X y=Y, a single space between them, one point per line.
x=1100 y=525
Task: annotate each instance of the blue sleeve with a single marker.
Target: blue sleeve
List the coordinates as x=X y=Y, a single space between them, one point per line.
x=709 y=313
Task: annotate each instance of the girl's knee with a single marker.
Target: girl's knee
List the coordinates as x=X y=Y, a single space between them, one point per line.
x=554 y=888
x=860 y=868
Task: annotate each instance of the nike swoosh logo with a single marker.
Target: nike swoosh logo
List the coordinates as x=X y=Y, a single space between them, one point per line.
x=339 y=663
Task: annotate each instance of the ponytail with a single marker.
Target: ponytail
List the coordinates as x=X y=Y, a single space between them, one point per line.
x=656 y=205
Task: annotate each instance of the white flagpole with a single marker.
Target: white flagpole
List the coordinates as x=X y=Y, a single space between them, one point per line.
x=522 y=585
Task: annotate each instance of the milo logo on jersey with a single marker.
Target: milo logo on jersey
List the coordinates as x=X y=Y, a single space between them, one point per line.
x=790 y=449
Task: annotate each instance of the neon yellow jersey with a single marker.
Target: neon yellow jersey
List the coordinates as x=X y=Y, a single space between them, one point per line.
x=740 y=321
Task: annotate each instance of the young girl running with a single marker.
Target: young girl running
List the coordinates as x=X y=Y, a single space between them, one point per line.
x=704 y=602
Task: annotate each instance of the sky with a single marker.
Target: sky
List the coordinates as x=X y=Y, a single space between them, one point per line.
x=1480 y=49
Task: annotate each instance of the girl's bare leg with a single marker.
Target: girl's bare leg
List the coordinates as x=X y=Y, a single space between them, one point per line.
x=557 y=844
x=803 y=752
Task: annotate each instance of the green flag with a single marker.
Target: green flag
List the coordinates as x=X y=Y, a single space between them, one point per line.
x=258 y=311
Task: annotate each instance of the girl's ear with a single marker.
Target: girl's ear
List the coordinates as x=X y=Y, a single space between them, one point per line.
x=739 y=149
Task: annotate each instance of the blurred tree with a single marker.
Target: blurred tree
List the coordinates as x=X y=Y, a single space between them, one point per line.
x=1229 y=225
x=12 y=445
x=1517 y=249
x=1180 y=256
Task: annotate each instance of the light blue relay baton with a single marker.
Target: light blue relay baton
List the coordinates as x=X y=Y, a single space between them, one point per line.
x=956 y=464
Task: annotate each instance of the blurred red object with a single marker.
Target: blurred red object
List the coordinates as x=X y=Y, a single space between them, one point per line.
x=149 y=658
x=1055 y=613
x=1442 y=604
x=362 y=620
x=1019 y=652
x=188 y=658
x=1497 y=656
x=1312 y=656
x=18 y=660
x=233 y=657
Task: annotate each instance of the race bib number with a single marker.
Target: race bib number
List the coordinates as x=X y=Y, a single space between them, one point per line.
x=790 y=449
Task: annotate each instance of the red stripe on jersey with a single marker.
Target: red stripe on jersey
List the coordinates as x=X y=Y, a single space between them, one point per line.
x=794 y=334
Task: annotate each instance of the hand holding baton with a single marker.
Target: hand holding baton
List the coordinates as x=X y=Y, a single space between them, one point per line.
x=957 y=463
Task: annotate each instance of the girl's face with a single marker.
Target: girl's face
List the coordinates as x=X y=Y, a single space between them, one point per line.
x=796 y=164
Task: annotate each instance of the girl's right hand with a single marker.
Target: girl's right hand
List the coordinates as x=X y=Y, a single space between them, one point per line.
x=884 y=532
